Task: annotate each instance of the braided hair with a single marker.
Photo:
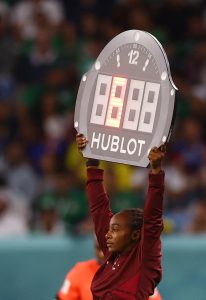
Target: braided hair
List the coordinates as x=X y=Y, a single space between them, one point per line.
x=134 y=217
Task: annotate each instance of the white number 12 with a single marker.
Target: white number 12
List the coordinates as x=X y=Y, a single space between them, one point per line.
x=133 y=56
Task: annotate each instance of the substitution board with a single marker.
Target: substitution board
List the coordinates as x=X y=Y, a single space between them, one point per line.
x=126 y=101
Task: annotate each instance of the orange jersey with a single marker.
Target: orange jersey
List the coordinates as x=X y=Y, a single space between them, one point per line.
x=76 y=285
x=155 y=296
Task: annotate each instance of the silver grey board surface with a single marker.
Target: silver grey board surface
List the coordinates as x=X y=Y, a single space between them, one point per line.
x=125 y=102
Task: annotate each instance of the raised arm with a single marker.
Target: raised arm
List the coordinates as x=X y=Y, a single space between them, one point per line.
x=153 y=223
x=97 y=196
x=154 y=200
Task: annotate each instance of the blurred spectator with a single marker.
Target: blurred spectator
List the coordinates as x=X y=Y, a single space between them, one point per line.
x=4 y=10
x=48 y=169
x=171 y=10
x=198 y=223
x=202 y=173
x=190 y=144
x=119 y=191
x=28 y=15
x=90 y=51
x=68 y=201
x=179 y=194
x=7 y=43
x=5 y=124
x=75 y=10
x=13 y=213
x=8 y=52
x=140 y=18
x=47 y=220
x=177 y=184
x=89 y=25
x=109 y=29
x=35 y=65
x=32 y=136
x=18 y=173
x=54 y=124
x=197 y=66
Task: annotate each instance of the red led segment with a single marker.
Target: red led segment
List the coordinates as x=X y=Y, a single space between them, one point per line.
x=116 y=101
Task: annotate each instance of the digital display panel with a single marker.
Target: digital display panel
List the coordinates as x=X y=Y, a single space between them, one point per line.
x=125 y=102
x=116 y=100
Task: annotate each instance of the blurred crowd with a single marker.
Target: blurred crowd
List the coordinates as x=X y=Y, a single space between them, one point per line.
x=45 y=48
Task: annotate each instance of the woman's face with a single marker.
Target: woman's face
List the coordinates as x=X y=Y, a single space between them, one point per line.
x=120 y=236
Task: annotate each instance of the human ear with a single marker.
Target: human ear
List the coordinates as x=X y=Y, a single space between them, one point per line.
x=135 y=235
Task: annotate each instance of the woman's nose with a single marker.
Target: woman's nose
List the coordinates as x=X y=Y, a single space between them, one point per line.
x=108 y=235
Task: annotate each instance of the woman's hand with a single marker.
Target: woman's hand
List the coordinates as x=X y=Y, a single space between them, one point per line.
x=81 y=141
x=156 y=156
x=81 y=144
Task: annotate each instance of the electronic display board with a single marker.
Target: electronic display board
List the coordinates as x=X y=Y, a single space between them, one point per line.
x=125 y=102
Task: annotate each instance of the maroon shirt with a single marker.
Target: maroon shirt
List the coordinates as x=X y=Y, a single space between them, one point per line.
x=133 y=274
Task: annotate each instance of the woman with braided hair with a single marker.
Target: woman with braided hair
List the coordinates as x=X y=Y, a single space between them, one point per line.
x=130 y=239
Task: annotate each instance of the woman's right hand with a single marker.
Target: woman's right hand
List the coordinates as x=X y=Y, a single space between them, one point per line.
x=81 y=141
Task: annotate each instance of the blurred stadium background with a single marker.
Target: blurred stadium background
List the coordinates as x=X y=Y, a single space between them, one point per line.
x=45 y=48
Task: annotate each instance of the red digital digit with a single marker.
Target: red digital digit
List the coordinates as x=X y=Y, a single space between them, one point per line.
x=116 y=101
